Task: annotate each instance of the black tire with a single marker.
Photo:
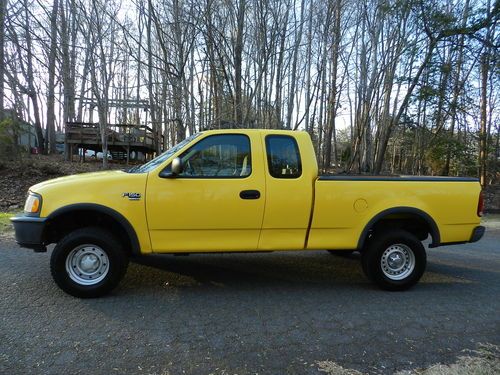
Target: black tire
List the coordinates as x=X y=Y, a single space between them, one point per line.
x=80 y=251
x=341 y=253
x=394 y=260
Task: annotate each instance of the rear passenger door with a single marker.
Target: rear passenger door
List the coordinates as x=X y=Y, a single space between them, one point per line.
x=289 y=194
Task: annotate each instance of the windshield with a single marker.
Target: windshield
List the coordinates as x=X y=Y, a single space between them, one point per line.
x=152 y=164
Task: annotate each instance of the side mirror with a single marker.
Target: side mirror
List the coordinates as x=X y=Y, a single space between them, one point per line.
x=177 y=166
x=173 y=170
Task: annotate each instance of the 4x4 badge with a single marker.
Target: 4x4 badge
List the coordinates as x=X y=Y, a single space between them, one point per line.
x=132 y=196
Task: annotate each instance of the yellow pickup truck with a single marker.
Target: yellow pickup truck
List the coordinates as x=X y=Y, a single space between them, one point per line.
x=243 y=190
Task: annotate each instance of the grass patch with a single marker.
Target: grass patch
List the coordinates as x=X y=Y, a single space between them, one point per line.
x=5 y=224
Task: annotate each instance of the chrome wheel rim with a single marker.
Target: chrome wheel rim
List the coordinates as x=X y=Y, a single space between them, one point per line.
x=397 y=262
x=87 y=264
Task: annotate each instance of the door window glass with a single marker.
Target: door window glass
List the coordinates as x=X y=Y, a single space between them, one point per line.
x=223 y=156
x=283 y=156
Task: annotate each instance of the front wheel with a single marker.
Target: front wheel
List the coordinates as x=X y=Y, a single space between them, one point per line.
x=394 y=260
x=88 y=262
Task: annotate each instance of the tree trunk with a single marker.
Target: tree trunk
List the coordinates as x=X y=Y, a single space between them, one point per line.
x=238 y=50
x=102 y=112
x=180 y=78
x=31 y=79
x=152 y=103
x=298 y=40
x=279 y=74
x=51 y=130
x=308 y=67
x=483 y=144
x=457 y=88
x=3 y=9
x=330 y=138
x=67 y=74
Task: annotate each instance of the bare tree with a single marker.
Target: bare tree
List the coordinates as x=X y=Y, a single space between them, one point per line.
x=51 y=128
x=30 y=77
x=403 y=75
x=3 y=9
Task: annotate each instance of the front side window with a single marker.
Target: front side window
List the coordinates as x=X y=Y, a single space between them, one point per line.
x=152 y=164
x=283 y=156
x=223 y=156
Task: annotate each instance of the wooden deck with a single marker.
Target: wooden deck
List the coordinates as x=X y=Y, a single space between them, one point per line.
x=120 y=137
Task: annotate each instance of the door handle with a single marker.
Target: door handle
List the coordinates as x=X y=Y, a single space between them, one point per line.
x=250 y=194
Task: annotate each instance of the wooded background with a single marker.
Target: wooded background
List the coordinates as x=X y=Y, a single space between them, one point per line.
x=382 y=86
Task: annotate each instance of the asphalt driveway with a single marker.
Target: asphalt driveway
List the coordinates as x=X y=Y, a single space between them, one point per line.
x=272 y=313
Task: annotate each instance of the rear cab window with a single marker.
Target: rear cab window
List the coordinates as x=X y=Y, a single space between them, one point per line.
x=283 y=156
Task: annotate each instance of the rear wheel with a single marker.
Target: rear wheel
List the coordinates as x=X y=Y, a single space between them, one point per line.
x=394 y=260
x=88 y=262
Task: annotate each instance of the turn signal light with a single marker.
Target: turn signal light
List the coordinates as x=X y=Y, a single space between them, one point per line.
x=33 y=203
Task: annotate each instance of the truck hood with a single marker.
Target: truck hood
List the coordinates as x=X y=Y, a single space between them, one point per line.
x=83 y=178
x=111 y=189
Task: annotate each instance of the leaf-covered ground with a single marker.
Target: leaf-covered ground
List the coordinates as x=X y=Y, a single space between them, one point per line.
x=483 y=361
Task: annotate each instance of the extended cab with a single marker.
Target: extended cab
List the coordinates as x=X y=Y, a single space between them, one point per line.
x=243 y=190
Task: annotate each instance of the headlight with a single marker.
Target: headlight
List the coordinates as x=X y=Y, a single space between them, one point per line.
x=33 y=204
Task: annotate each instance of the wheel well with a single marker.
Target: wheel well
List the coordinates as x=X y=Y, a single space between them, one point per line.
x=62 y=224
x=413 y=221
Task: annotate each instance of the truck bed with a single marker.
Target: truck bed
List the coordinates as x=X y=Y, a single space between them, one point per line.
x=344 y=206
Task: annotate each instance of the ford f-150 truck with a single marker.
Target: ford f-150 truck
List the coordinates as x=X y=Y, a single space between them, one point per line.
x=243 y=190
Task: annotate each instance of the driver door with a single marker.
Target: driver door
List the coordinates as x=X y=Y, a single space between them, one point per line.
x=216 y=203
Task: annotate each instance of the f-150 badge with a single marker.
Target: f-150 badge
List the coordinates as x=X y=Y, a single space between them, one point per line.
x=132 y=196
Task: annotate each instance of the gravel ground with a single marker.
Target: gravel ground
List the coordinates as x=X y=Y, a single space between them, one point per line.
x=277 y=313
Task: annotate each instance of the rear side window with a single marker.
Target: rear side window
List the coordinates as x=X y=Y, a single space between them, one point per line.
x=283 y=157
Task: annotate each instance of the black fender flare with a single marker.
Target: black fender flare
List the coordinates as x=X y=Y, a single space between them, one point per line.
x=125 y=224
x=434 y=230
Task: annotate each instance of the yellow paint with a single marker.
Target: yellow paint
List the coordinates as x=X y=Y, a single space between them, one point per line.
x=104 y=188
x=201 y=214
x=337 y=224
x=289 y=201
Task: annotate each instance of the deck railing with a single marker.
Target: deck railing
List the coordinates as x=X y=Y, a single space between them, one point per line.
x=87 y=133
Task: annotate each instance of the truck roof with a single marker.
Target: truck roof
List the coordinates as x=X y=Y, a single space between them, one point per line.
x=262 y=131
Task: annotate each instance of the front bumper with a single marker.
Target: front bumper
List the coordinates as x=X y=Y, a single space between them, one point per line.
x=29 y=232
